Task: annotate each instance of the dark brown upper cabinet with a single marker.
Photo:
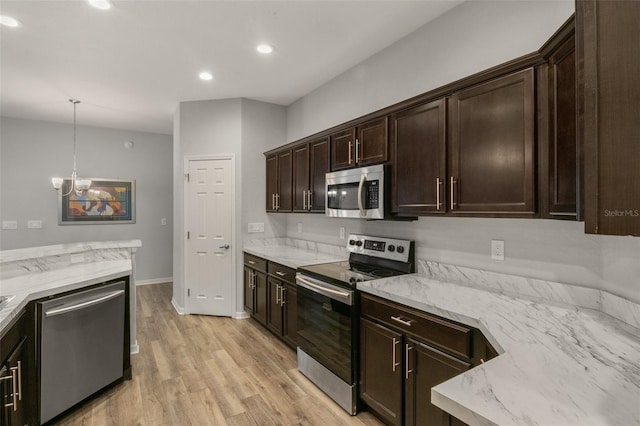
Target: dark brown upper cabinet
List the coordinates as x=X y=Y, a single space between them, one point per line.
x=279 y=181
x=559 y=149
x=418 y=159
x=492 y=161
x=319 y=165
x=608 y=60
x=300 y=178
x=360 y=146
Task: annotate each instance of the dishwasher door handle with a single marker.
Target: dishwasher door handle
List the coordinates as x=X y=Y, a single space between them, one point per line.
x=83 y=305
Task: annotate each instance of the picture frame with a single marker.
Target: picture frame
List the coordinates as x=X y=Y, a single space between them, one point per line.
x=107 y=201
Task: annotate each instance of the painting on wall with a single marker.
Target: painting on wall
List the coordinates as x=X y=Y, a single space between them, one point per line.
x=107 y=201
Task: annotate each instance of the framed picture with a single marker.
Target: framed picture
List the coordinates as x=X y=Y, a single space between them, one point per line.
x=106 y=201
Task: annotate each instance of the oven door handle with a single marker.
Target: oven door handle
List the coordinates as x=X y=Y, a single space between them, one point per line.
x=363 y=179
x=342 y=296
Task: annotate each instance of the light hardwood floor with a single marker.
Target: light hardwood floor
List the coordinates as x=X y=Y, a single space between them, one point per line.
x=201 y=370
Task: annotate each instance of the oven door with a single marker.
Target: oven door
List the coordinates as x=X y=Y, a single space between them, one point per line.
x=326 y=316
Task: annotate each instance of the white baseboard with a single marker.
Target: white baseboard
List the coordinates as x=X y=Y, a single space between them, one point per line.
x=154 y=281
x=135 y=348
x=241 y=315
x=177 y=307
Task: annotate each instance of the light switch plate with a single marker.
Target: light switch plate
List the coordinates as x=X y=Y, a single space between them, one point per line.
x=9 y=224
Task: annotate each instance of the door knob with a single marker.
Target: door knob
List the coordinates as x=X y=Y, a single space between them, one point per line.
x=226 y=246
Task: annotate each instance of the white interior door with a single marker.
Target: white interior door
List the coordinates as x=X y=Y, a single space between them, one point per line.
x=209 y=262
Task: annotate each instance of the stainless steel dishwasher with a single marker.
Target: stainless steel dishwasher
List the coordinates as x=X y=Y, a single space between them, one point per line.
x=81 y=346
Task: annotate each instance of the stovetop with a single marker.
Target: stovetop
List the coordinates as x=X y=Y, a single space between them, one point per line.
x=370 y=258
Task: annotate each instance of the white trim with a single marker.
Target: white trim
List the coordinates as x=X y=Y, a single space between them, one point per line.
x=185 y=215
x=241 y=315
x=135 y=348
x=154 y=281
x=177 y=307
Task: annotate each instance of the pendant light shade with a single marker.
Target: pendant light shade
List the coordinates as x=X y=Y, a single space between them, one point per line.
x=78 y=185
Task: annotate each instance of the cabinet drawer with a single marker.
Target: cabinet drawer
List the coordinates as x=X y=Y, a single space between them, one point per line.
x=282 y=272
x=453 y=338
x=255 y=262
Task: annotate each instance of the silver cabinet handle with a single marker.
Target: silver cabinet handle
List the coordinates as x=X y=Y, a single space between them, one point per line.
x=282 y=290
x=350 y=145
x=281 y=274
x=304 y=199
x=253 y=280
x=251 y=262
x=438 y=203
x=11 y=378
x=278 y=202
x=273 y=201
x=20 y=380
x=394 y=363
x=402 y=321
x=277 y=294
x=406 y=360
x=226 y=247
x=453 y=183
x=357 y=151
x=309 y=202
x=83 y=305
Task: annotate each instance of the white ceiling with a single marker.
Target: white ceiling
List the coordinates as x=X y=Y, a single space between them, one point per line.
x=131 y=66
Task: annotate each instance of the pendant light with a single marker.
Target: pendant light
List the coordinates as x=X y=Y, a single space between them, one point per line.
x=78 y=185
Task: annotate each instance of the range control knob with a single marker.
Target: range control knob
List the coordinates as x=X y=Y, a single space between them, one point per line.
x=358 y=243
x=400 y=249
x=392 y=248
x=352 y=242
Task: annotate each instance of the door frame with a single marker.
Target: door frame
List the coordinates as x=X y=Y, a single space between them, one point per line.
x=185 y=213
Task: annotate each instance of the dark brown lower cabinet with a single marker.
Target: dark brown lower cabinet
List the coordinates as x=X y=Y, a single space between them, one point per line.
x=381 y=372
x=274 y=305
x=282 y=303
x=255 y=287
x=403 y=354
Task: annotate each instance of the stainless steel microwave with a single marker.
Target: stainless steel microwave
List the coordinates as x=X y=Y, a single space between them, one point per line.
x=356 y=193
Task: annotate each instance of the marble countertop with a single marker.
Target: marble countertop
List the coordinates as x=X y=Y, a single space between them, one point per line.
x=295 y=253
x=60 y=249
x=558 y=365
x=38 y=285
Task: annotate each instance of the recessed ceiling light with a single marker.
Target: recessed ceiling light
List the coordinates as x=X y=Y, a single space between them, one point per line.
x=100 y=4
x=204 y=75
x=264 y=49
x=8 y=21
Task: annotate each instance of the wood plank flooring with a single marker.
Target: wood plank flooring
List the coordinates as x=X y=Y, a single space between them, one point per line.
x=201 y=370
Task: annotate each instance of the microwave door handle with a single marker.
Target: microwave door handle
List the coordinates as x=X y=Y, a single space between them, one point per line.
x=363 y=179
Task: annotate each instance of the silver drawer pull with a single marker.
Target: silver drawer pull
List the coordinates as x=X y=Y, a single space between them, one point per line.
x=402 y=321
x=394 y=363
x=281 y=274
x=251 y=262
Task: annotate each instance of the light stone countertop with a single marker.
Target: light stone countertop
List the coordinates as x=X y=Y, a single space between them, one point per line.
x=558 y=365
x=295 y=253
x=32 y=273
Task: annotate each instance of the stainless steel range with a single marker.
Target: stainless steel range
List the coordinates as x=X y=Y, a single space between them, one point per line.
x=328 y=312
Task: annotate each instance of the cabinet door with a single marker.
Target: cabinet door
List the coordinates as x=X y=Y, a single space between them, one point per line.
x=249 y=298
x=427 y=367
x=260 y=304
x=492 y=147
x=319 y=166
x=285 y=181
x=343 y=145
x=274 y=307
x=290 y=314
x=563 y=149
x=381 y=370
x=272 y=182
x=418 y=141
x=300 y=178
x=371 y=144
x=20 y=395
x=609 y=94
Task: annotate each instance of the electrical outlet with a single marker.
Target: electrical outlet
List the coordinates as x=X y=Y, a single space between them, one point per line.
x=34 y=224
x=342 y=232
x=9 y=224
x=300 y=227
x=163 y=221
x=497 y=249
x=255 y=227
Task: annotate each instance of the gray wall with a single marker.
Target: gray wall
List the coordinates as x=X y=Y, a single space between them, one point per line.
x=32 y=152
x=245 y=129
x=469 y=38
